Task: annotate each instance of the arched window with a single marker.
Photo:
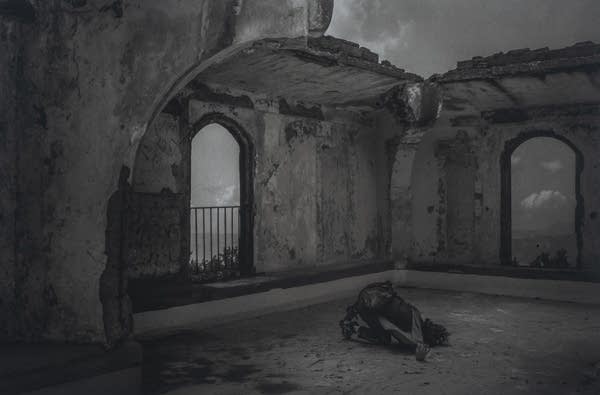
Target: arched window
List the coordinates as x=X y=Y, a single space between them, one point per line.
x=542 y=196
x=220 y=202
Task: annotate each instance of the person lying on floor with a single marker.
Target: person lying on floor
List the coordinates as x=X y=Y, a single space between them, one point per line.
x=388 y=316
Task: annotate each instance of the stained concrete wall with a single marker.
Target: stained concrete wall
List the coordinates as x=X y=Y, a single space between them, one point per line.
x=160 y=154
x=94 y=76
x=408 y=115
x=449 y=208
x=156 y=233
x=157 y=217
x=316 y=189
x=463 y=148
x=318 y=180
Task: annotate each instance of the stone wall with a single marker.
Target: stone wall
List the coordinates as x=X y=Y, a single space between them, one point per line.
x=94 y=77
x=409 y=115
x=155 y=234
x=318 y=183
x=160 y=155
x=456 y=208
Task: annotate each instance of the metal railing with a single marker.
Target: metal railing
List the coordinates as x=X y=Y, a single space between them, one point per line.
x=215 y=241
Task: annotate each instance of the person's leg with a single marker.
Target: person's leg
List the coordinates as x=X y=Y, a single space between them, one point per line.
x=372 y=336
x=401 y=336
x=417 y=329
x=374 y=332
x=412 y=340
x=422 y=349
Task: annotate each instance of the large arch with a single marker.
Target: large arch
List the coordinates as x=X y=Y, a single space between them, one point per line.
x=143 y=68
x=506 y=196
x=247 y=168
x=248 y=23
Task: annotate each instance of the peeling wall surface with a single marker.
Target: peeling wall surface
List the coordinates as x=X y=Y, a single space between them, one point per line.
x=488 y=103
x=92 y=77
x=316 y=178
x=156 y=234
x=159 y=158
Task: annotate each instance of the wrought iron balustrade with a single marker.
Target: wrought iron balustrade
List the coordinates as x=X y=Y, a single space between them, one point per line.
x=215 y=242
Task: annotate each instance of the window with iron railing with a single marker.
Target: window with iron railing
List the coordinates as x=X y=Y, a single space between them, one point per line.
x=215 y=212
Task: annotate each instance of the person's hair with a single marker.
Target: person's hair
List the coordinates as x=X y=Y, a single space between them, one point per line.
x=434 y=334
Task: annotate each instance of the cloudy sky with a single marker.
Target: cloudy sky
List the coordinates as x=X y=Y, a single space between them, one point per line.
x=215 y=168
x=543 y=187
x=430 y=36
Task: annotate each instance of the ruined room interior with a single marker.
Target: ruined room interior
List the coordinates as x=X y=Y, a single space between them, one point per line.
x=195 y=190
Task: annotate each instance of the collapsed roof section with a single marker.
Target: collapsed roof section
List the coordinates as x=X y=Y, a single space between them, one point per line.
x=332 y=72
x=324 y=70
x=524 y=79
x=579 y=57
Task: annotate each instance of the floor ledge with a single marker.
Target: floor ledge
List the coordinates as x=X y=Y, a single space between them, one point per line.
x=159 y=294
x=508 y=271
x=534 y=288
x=207 y=314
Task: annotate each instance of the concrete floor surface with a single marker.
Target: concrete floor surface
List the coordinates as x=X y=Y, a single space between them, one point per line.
x=499 y=345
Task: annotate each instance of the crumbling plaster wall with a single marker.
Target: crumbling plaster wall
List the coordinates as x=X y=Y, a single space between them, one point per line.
x=477 y=141
x=408 y=114
x=160 y=155
x=157 y=216
x=156 y=231
x=315 y=187
x=349 y=212
x=317 y=181
x=94 y=75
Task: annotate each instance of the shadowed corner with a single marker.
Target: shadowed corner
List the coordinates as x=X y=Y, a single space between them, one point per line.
x=18 y=9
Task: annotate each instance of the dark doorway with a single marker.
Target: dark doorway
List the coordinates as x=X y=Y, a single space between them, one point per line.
x=541 y=202
x=220 y=200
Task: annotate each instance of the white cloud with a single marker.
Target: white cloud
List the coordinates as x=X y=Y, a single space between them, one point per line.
x=552 y=166
x=226 y=196
x=354 y=19
x=544 y=199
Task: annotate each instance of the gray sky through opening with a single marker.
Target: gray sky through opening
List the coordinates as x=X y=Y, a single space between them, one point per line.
x=215 y=179
x=543 y=199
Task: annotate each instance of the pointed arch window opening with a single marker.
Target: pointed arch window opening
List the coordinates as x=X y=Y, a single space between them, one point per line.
x=215 y=208
x=542 y=204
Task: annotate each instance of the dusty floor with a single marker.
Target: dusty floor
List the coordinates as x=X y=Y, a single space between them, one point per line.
x=499 y=346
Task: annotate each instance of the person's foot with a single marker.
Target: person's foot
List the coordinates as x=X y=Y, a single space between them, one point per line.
x=421 y=352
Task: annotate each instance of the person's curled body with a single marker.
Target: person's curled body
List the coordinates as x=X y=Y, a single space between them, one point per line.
x=387 y=316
